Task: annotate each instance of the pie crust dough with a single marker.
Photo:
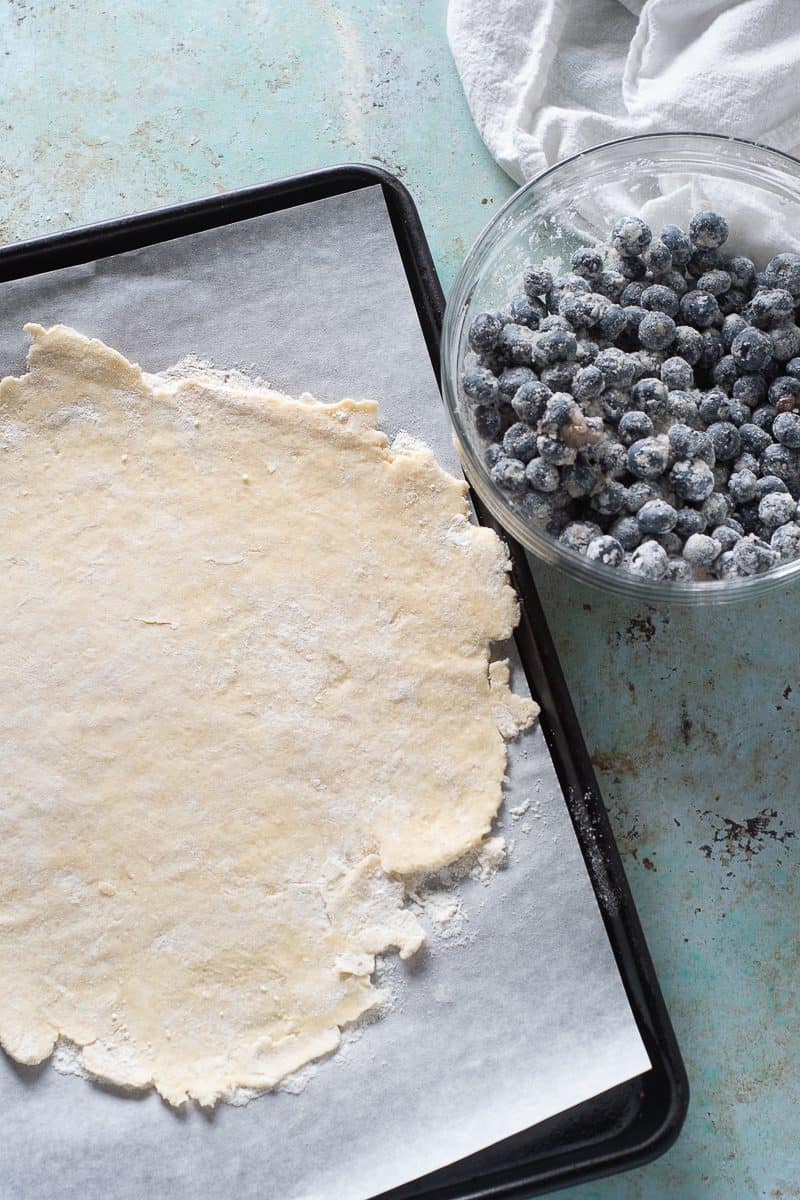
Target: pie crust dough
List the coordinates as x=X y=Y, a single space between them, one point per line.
x=246 y=691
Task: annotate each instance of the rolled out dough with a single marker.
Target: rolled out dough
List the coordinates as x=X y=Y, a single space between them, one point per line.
x=246 y=691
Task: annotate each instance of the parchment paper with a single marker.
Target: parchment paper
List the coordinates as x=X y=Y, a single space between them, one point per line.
x=519 y=1017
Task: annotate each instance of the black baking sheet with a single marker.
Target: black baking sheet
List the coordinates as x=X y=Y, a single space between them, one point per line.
x=637 y=1119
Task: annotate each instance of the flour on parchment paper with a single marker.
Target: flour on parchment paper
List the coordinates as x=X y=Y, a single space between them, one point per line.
x=255 y=701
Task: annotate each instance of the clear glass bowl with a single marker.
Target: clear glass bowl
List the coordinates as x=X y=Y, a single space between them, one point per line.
x=664 y=178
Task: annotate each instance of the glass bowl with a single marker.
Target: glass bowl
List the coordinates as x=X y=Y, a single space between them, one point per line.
x=664 y=178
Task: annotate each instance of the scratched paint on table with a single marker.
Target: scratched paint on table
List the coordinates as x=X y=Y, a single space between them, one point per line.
x=691 y=717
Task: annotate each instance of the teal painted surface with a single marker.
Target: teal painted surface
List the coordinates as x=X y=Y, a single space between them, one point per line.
x=692 y=718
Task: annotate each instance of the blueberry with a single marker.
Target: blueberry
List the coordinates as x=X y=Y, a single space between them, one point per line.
x=543 y=476
x=770 y=307
x=751 y=350
x=647 y=363
x=784 y=388
x=536 y=281
x=581 y=308
x=613 y=459
x=727 y=536
x=649 y=561
x=785 y=342
x=779 y=460
x=586 y=352
x=692 y=480
x=699 y=309
x=776 y=508
x=612 y=284
x=726 y=373
x=509 y=474
x=554 y=321
x=676 y=281
x=632 y=294
x=609 y=500
x=627 y=532
x=783 y=271
x=612 y=321
x=733 y=324
x=633 y=426
x=785 y=541
x=659 y=257
x=716 y=508
x=701 y=550
x=679 y=245
x=484 y=331
x=614 y=403
x=764 y=416
x=726 y=440
x=634 y=313
x=588 y=384
x=587 y=262
x=559 y=376
x=552 y=450
x=487 y=421
x=523 y=311
x=631 y=235
x=481 y=385
x=768 y=484
x=688 y=344
x=658 y=298
x=515 y=344
x=579 y=480
x=650 y=395
x=606 y=550
x=747 y=462
x=560 y=410
x=716 y=282
x=648 y=458
x=578 y=534
x=638 y=494
x=714 y=406
x=530 y=400
x=732 y=302
x=752 y=555
x=569 y=283
x=536 y=508
x=681 y=406
x=726 y=566
x=786 y=429
x=678 y=570
x=742 y=486
x=520 y=442
x=741 y=270
x=751 y=389
x=555 y=345
x=493 y=453
x=656 y=331
x=708 y=230
x=512 y=380
x=656 y=516
x=689 y=521
x=691 y=443
x=616 y=367
x=677 y=374
x=793 y=368
x=631 y=266
x=704 y=259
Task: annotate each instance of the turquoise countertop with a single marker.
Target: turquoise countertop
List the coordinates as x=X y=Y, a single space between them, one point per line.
x=691 y=717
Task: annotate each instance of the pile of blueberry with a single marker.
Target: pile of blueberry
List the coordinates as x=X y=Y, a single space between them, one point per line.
x=645 y=408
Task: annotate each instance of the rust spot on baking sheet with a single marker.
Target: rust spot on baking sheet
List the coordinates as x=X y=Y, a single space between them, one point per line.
x=640 y=629
x=743 y=840
x=787 y=691
x=687 y=723
x=616 y=764
x=648 y=864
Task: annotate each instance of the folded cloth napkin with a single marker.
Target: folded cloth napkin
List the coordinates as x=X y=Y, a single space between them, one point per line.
x=547 y=78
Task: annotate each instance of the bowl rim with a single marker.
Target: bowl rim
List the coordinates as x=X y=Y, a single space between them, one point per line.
x=544 y=546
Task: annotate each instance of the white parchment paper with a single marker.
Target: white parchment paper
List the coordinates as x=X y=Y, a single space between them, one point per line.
x=516 y=1017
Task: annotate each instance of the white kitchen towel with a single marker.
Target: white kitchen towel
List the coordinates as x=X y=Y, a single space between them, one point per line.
x=547 y=78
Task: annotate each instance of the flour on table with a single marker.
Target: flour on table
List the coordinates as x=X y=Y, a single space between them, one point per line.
x=250 y=705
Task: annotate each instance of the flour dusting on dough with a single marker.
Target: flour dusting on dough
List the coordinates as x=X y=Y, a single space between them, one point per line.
x=245 y=645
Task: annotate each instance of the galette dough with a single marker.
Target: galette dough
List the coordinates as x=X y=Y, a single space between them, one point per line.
x=246 y=689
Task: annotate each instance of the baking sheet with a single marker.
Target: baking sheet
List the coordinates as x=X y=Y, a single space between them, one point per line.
x=515 y=1010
